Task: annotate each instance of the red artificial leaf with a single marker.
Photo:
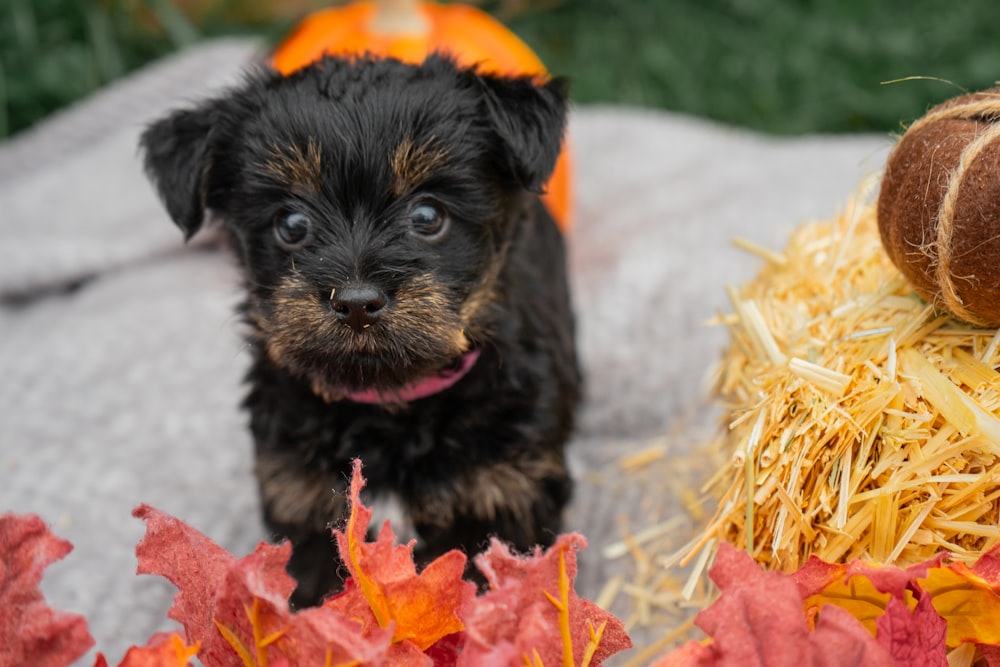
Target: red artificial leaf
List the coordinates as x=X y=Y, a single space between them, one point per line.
x=991 y=654
x=197 y=566
x=756 y=607
x=840 y=641
x=531 y=600
x=259 y=625
x=988 y=566
x=387 y=591
x=238 y=608
x=913 y=639
x=251 y=602
x=446 y=650
x=816 y=575
x=31 y=632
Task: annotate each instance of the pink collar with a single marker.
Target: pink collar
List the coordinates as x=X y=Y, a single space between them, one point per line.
x=422 y=388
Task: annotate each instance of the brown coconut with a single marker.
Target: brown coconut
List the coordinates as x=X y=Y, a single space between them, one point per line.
x=939 y=206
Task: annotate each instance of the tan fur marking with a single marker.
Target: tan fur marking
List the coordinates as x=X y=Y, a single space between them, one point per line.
x=479 y=300
x=412 y=164
x=484 y=293
x=296 y=496
x=422 y=304
x=501 y=490
x=296 y=168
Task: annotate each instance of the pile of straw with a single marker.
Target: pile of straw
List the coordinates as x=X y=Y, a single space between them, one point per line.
x=864 y=423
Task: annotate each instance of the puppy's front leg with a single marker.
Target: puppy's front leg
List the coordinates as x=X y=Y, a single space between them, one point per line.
x=303 y=506
x=519 y=500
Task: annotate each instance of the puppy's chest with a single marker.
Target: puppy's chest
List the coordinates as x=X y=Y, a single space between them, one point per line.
x=384 y=439
x=388 y=505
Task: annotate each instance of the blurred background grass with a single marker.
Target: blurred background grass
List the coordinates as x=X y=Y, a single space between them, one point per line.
x=779 y=66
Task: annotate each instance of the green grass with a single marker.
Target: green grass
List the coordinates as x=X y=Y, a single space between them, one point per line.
x=779 y=66
x=53 y=52
x=784 y=67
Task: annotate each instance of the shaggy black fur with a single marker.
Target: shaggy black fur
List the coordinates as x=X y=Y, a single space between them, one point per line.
x=387 y=219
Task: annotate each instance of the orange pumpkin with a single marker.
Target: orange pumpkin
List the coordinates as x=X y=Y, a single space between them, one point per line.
x=410 y=33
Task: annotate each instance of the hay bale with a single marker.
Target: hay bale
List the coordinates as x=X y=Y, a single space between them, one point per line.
x=863 y=423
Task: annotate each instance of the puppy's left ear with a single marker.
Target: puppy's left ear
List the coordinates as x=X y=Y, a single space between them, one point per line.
x=178 y=158
x=529 y=119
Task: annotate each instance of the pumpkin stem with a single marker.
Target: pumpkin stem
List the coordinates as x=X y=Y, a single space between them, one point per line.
x=400 y=17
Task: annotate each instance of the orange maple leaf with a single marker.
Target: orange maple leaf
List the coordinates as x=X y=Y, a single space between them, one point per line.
x=161 y=651
x=422 y=609
x=967 y=598
x=861 y=588
x=969 y=603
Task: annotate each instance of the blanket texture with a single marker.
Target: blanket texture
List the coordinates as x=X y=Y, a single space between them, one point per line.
x=121 y=361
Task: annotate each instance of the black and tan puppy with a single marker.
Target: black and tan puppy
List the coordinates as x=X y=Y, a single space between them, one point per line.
x=406 y=295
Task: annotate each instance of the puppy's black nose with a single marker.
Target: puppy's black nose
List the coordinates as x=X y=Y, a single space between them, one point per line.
x=358 y=306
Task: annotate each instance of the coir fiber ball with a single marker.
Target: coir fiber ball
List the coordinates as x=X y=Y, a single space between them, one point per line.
x=939 y=206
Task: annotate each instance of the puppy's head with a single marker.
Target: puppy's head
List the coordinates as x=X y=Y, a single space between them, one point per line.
x=371 y=204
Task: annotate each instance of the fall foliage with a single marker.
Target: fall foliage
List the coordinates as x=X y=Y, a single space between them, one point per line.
x=847 y=615
x=234 y=612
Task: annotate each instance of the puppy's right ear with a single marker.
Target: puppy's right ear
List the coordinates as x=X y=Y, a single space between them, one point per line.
x=177 y=153
x=529 y=117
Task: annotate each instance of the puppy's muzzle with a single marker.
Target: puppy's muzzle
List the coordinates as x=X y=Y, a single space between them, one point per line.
x=358 y=305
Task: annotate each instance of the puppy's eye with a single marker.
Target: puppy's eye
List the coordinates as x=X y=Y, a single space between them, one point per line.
x=428 y=219
x=292 y=229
